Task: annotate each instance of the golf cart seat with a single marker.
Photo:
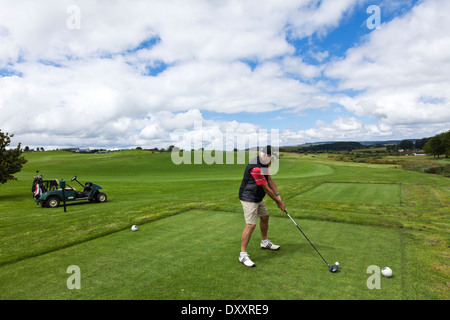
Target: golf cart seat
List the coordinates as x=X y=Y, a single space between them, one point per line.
x=86 y=190
x=81 y=194
x=66 y=188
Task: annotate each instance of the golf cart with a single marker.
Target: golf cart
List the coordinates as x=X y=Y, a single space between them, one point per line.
x=53 y=198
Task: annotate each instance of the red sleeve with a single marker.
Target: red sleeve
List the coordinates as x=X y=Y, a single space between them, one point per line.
x=258 y=176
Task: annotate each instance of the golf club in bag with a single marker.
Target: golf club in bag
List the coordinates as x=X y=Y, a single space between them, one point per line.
x=332 y=268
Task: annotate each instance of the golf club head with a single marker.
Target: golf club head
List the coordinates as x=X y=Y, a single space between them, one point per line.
x=333 y=268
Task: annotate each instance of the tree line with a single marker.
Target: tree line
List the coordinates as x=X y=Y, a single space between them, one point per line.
x=326 y=147
x=435 y=146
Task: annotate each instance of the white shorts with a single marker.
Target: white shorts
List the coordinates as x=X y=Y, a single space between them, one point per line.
x=253 y=211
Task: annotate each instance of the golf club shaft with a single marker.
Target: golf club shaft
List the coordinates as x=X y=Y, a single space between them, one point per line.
x=305 y=236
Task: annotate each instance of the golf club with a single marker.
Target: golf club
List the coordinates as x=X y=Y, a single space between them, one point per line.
x=332 y=268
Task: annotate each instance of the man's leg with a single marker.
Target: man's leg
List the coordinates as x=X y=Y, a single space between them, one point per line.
x=264 y=225
x=250 y=210
x=246 y=235
x=263 y=219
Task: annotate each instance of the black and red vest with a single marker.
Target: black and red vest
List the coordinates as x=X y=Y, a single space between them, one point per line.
x=249 y=190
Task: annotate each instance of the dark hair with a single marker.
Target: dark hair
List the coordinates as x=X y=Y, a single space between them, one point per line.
x=267 y=150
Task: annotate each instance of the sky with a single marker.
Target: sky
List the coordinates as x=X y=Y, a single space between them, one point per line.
x=221 y=74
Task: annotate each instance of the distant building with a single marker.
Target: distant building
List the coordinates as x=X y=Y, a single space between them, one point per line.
x=78 y=150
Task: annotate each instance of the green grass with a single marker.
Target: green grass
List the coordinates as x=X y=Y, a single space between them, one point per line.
x=190 y=223
x=147 y=264
x=355 y=193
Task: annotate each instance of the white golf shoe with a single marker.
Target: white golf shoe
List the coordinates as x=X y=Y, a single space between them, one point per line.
x=245 y=260
x=268 y=245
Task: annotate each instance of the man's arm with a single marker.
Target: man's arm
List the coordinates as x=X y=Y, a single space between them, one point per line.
x=273 y=186
x=268 y=185
x=273 y=195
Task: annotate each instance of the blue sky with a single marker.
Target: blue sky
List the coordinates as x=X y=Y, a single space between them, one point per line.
x=101 y=75
x=352 y=30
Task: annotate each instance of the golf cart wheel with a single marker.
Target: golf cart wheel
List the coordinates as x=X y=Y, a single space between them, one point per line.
x=53 y=202
x=100 y=197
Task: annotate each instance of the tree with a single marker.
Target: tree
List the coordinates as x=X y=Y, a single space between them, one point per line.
x=445 y=138
x=435 y=146
x=439 y=144
x=11 y=161
x=419 y=144
x=392 y=147
x=406 y=145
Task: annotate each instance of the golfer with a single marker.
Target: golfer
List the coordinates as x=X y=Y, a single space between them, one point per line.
x=256 y=183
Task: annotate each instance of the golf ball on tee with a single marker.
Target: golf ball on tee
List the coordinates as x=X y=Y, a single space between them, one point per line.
x=387 y=272
x=337 y=263
x=134 y=228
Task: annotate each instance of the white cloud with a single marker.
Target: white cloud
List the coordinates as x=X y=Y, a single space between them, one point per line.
x=92 y=86
x=402 y=70
x=318 y=16
x=91 y=82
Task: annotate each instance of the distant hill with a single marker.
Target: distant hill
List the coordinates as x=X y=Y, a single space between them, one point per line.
x=333 y=146
x=336 y=145
x=385 y=142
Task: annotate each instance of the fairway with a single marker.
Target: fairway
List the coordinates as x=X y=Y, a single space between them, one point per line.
x=357 y=193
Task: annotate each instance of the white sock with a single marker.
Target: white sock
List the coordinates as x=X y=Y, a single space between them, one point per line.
x=265 y=241
x=242 y=254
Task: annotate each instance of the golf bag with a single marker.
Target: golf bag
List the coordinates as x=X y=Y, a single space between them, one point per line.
x=40 y=186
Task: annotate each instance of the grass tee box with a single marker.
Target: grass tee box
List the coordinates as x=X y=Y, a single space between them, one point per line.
x=355 y=193
x=198 y=259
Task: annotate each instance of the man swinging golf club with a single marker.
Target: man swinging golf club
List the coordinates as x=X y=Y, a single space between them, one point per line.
x=256 y=183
